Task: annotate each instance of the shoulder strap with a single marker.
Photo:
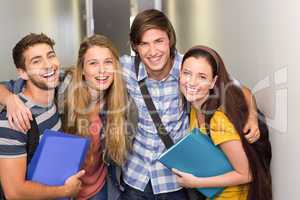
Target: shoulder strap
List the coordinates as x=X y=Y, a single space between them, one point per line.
x=161 y=130
x=33 y=137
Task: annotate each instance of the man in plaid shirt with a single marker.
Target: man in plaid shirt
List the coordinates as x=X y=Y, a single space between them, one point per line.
x=153 y=40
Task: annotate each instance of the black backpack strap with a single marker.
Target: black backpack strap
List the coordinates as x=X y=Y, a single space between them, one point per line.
x=161 y=130
x=33 y=137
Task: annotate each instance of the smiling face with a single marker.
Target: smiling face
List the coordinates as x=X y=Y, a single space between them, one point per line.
x=154 y=51
x=98 y=68
x=196 y=79
x=41 y=67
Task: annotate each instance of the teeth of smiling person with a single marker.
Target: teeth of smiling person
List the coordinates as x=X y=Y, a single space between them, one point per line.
x=51 y=73
x=191 y=89
x=155 y=59
x=102 y=78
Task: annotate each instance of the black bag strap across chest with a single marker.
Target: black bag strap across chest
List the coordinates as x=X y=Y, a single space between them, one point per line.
x=161 y=130
x=33 y=138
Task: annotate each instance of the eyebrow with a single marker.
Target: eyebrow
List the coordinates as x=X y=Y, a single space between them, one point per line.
x=39 y=56
x=95 y=59
x=200 y=73
x=35 y=57
x=160 y=38
x=50 y=52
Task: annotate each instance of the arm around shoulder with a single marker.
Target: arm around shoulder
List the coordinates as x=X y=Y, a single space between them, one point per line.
x=250 y=100
x=18 y=114
x=251 y=128
x=5 y=95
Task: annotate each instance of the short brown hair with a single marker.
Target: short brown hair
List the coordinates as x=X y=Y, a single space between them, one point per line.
x=151 y=19
x=26 y=42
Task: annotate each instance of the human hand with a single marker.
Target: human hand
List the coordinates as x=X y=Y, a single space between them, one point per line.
x=251 y=129
x=73 y=184
x=185 y=179
x=18 y=114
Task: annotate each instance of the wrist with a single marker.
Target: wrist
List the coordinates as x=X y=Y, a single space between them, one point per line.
x=198 y=183
x=8 y=98
x=64 y=191
x=253 y=114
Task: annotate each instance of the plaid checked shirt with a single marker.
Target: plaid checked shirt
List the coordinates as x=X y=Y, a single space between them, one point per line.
x=142 y=164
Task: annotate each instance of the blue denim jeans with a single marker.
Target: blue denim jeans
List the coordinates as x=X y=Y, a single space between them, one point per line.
x=101 y=195
x=133 y=194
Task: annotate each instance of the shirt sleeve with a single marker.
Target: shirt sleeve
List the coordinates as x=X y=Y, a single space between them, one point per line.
x=128 y=70
x=12 y=143
x=222 y=130
x=14 y=86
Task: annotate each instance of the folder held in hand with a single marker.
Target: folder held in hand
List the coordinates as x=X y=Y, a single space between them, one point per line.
x=57 y=157
x=196 y=154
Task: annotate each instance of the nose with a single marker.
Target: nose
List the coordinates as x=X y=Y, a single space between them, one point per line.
x=101 y=68
x=48 y=64
x=192 y=80
x=152 y=49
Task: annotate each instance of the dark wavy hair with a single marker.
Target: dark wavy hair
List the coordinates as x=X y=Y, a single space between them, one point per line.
x=28 y=41
x=230 y=97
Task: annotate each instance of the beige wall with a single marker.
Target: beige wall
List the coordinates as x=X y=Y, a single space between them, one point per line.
x=60 y=19
x=260 y=43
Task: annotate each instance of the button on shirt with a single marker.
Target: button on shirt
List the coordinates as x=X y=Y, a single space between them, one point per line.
x=142 y=164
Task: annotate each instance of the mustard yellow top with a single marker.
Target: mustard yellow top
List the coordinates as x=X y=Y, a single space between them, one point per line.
x=222 y=130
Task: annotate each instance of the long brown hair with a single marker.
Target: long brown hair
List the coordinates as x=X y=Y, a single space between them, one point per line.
x=77 y=103
x=229 y=96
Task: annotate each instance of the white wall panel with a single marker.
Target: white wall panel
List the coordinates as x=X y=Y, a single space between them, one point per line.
x=260 y=44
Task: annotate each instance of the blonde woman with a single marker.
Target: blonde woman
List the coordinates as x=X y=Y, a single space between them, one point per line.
x=95 y=86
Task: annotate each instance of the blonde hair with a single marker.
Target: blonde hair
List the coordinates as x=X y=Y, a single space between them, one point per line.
x=77 y=103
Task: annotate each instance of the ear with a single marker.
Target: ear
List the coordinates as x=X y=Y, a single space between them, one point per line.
x=212 y=85
x=22 y=73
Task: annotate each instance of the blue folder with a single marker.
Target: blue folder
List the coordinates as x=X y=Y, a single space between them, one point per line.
x=196 y=154
x=57 y=157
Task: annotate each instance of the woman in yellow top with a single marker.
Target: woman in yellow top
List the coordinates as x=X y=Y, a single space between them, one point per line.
x=218 y=107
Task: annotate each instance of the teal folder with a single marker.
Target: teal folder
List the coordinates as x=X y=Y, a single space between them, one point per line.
x=57 y=157
x=196 y=154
